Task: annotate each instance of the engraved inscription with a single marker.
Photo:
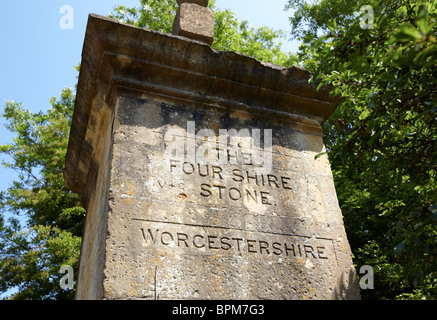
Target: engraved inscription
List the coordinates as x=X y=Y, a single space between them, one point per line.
x=225 y=240
x=249 y=186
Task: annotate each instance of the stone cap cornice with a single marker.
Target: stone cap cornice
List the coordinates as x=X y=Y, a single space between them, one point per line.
x=120 y=58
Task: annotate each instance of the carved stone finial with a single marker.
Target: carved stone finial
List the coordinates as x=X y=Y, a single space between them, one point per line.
x=195 y=21
x=202 y=3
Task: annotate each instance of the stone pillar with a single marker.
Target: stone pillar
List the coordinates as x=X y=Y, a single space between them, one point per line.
x=257 y=218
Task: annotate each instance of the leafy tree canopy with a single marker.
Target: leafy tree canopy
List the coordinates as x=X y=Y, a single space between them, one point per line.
x=31 y=256
x=382 y=140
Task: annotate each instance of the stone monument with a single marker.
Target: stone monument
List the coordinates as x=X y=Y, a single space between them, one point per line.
x=198 y=171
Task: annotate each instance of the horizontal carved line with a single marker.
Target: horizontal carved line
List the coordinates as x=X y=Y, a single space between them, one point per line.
x=229 y=228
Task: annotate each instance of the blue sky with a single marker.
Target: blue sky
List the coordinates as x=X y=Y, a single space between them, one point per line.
x=38 y=57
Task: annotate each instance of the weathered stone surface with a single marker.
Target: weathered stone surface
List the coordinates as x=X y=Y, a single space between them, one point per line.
x=194 y=22
x=165 y=226
x=202 y=3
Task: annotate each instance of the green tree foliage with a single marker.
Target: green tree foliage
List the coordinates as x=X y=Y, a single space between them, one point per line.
x=382 y=140
x=31 y=256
